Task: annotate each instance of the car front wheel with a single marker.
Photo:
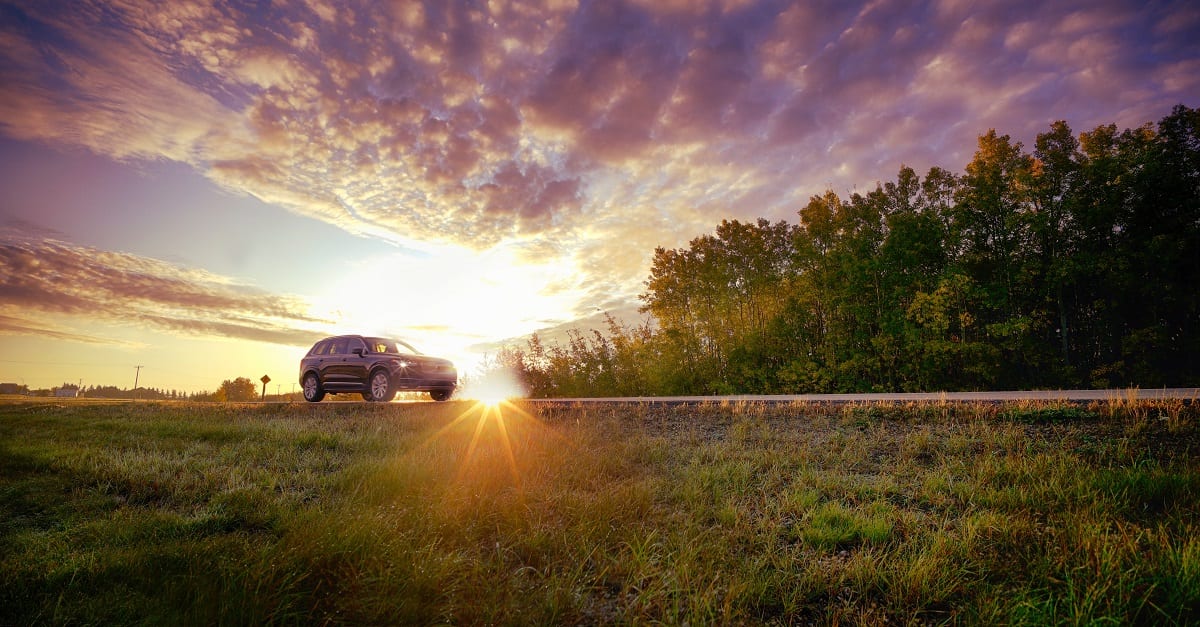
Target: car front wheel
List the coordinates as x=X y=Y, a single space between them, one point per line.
x=440 y=395
x=312 y=389
x=379 y=388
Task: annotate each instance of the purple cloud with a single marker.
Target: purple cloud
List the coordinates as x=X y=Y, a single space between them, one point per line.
x=615 y=125
x=40 y=277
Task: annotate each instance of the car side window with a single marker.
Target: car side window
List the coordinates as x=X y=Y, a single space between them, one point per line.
x=320 y=348
x=357 y=343
x=338 y=347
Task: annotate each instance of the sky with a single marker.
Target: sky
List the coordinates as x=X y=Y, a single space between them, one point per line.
x=204 y=188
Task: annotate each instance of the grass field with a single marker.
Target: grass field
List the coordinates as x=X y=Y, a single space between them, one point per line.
x=742 y=514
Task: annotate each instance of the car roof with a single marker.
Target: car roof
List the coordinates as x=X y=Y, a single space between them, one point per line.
x=362 y=337
x=400 y=341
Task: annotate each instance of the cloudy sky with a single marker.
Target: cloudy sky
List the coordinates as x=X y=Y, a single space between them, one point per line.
x=204 y=187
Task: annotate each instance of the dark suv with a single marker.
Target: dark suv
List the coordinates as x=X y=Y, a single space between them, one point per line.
x=375 y=367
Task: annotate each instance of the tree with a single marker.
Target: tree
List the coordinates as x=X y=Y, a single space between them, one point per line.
x=1055 y=180
x=238 y=390
x=989 y=217
x=949 y=350
x=719 y=291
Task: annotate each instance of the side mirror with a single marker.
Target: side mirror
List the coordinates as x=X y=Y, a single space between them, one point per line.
x=359 y=351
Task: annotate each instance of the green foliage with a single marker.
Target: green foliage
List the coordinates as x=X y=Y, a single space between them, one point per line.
x=1075 y=266
x=834 y=526
x=1039 y=414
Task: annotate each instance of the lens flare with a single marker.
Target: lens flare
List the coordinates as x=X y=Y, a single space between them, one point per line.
x=492 y=412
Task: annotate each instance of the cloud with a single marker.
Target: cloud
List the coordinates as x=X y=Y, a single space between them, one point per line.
x=627 y=316
x=40 y=277
x=613 y=126
x=10 y=325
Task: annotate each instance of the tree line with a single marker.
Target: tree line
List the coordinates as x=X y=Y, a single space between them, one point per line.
x=1075 y=264
x=240 y=389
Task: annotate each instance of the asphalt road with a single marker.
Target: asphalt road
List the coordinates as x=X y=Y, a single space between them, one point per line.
x=1186 y=394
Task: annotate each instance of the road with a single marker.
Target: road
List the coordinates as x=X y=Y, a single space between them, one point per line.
x=1186 y=394
x=1074 y=396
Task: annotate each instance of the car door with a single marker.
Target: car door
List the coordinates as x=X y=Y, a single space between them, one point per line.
x=410 y=371
x=312 y=361
x=333 y=364
x=356 y=366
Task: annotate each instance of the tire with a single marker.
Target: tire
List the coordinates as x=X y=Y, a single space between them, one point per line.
x=440 y=395
x=379 y=387
x=312 y=388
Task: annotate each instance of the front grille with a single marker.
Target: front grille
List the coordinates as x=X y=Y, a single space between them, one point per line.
x=429 y=367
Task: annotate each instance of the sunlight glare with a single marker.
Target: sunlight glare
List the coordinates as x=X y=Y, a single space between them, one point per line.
x=494 y=426
x=450 y=299
x=490 y=405
x=492 y=388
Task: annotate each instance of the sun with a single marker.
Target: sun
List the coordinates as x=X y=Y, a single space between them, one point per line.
x=491 y=400
x=492 y=389
x=492 y=396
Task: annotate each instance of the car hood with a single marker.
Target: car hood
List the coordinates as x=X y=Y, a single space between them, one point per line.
x=424 y=361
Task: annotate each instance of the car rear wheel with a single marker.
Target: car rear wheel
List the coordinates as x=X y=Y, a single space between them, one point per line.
x=440 y=395
x=312 y=389
x=379 y=387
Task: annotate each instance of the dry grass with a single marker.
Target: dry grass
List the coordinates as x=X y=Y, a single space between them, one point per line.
x=354 y=513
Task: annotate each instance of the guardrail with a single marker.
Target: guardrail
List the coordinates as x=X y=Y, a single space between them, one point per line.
x=1074 y=396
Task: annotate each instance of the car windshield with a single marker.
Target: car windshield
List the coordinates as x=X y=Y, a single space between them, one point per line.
x=385 y=345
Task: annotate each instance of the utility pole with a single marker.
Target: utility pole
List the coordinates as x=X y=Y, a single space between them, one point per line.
x=136 y=374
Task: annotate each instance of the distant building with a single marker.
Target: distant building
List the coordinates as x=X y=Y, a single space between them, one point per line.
x=13 y=388
x=66 y=392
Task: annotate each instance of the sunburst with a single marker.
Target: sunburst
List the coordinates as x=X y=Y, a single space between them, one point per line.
x=491 y=401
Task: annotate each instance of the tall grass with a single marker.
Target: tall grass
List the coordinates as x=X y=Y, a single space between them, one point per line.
x=428 y=513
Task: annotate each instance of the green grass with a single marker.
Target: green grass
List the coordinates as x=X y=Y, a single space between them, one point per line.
x=440 y=513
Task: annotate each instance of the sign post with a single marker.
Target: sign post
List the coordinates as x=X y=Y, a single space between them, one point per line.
x=265 y=379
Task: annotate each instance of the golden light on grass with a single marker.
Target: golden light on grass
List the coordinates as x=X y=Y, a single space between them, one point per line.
x=495 y=412
x=491 y=396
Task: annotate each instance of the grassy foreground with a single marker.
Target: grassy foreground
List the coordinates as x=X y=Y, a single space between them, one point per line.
x=452 y=513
